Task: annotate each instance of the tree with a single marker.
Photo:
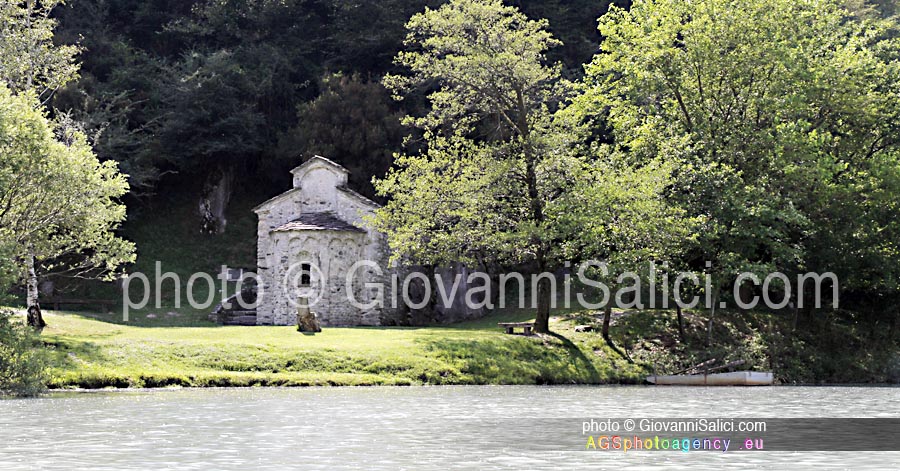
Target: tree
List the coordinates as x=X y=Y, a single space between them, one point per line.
x=762 y=105
x=145 y=63
x=29 y=60
x=480 y=190
x=502 y=181
x=30 y=63
x=119 y=94
x=58 y=204
x=353 y=122
x=574 y=22
x=215 y=127
x=234 y=88
x=617 y=213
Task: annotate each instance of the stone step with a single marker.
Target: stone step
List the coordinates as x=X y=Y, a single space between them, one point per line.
x=234 y=317
x=239 y=313
x=241 y=321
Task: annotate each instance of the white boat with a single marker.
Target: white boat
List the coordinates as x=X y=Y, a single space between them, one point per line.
x=735 y=378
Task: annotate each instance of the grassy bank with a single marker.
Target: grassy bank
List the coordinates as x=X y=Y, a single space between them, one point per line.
x=92 y=352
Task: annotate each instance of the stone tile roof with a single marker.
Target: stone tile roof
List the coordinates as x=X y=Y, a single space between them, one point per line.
x=359 y=196
x=324 y=221
x=319 y=159
x=274 y=199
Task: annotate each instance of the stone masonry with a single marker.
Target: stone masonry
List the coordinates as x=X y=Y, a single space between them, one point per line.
x=317 y=228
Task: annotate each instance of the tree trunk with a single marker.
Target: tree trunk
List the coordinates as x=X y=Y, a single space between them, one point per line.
x=680 y=322
x=214 y=201
x=35 y=319
x=712 y=314
x=542 y=318
x=607 y=317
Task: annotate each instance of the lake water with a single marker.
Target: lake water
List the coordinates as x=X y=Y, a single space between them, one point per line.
x=416 y=428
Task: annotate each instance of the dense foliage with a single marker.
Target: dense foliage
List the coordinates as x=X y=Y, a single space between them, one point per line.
x=59 y=203
x=22 y=365
x=497 y=185
x=782 y=118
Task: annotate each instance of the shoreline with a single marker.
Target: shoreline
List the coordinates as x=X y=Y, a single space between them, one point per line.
x=94 y=354
x=63 y=391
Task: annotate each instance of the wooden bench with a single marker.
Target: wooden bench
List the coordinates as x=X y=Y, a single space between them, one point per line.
x=510 y=327
x=103 y=303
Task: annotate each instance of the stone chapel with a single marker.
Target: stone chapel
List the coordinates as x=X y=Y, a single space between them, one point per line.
x=308 y=239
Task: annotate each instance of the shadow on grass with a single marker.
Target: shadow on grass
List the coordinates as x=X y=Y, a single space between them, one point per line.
x=578 y=355
x=517 y=359
x=66 y=353
x=162 y=319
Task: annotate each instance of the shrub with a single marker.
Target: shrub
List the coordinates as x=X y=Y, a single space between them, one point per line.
x=22 y=359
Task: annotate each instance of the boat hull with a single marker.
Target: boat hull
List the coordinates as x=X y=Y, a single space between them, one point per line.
x=736 y=378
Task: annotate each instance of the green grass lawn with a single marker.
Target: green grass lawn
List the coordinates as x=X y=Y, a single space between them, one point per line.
x=91 y=353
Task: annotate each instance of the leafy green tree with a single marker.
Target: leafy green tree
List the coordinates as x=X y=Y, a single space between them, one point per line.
x=617 y=213
x=477 y=200
x=862 y=240
x=498 y=184
x=29 y=59
x=58 y=204
x=58 y=201
x=762 y=105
